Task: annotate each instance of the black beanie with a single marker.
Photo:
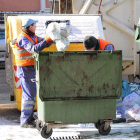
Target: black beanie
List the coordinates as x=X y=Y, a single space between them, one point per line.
x=90 y=42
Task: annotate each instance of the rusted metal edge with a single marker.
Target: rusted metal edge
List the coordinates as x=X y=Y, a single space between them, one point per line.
x=81 y=98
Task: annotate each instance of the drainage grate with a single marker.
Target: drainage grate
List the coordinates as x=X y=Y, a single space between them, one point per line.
x=67 y=138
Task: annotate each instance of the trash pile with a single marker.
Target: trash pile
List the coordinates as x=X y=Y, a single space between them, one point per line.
x=128 y=106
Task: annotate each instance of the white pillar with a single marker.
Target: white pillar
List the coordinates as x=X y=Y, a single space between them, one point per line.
x=86 y=7
x=42 y=5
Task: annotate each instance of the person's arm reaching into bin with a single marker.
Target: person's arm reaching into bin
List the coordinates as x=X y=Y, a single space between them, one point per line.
x=31 y=47
x=28 y=41
x=109 y=47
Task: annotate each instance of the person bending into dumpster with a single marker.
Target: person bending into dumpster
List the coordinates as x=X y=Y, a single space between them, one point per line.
x=26 y=44
x=91 y=43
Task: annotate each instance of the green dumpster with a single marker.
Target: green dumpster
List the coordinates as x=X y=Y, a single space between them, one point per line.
x=77 y=87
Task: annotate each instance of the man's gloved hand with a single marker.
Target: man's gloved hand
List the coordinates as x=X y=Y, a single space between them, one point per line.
x=48 y=39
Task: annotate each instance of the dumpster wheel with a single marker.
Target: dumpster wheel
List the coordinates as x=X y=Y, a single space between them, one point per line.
x=44 y=133
x=96 y=125
x=102 y=131
x=39 y=125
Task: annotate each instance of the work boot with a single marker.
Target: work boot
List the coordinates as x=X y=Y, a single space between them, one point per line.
x=33 y=118
x=30 y=124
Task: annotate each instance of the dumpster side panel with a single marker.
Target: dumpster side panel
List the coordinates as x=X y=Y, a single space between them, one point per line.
x=82 y=75
x=63 y=79
x=72 y=112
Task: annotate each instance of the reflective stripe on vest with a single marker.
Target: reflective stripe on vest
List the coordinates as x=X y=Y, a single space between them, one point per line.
x=21 y=51
x=104 y=43
x=26 y=108
x=22 y=56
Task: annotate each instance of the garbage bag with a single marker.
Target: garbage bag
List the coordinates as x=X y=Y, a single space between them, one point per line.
x=120 y=112
x=135 y=87
x=65 y=29
x=130 y=100
x=53 y=30
x=59 y=34
x=125 y=89
x=133 y=113
x=62 y=44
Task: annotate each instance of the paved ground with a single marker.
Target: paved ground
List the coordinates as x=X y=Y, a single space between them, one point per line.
x=10 y=127
x=4 y=89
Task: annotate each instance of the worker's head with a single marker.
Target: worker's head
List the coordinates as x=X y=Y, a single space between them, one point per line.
x=29 y=24
x=90 y=43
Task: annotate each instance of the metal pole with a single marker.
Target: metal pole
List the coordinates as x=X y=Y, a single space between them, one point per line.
x=52 y=5
x=66 y=6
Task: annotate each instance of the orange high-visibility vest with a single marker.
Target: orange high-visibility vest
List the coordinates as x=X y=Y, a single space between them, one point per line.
x=104 y=43
x=22 y=56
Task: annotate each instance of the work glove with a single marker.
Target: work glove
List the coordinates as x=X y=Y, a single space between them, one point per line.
x=48 y=39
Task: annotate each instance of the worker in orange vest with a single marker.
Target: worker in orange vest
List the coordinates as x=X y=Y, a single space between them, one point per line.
x=26 y=44
x=91 y=43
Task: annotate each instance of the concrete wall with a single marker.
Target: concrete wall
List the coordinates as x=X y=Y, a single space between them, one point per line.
x=47 y=4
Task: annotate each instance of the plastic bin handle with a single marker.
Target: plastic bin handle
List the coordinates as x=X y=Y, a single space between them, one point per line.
x=58 y=21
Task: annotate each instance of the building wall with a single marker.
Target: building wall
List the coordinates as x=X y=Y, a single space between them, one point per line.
x=21 y=5
x=47 y=4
